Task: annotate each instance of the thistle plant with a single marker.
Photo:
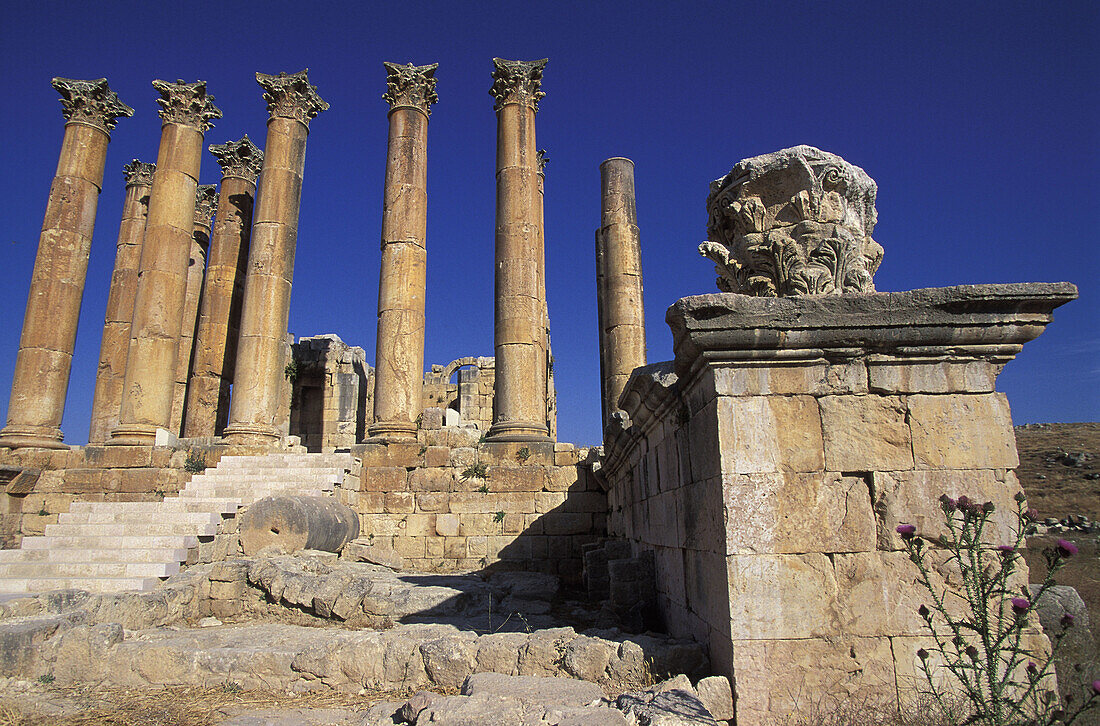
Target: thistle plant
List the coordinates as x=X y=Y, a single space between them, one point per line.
x=1005 y=679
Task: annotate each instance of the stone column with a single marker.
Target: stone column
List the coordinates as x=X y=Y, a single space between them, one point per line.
x=215 y=349
x=186 y=113
x=120 y=302
x=399 y=358
x=547 y=349
x=41 y=377
x=622 y=346
x=206 y=202
x=520 y=401
x=259 y=373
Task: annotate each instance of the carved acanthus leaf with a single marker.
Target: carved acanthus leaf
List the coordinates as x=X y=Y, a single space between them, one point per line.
x=517 y=82
x=289 y=95
x=239 y=158
x=91 y=102
x=206 y=203
x=796 y=222
x=187 y=104
x=139 y=173
x=410 y=86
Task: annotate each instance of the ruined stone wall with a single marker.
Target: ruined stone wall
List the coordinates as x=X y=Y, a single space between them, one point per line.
x=768 y=467
x=333 y=389
x=450 y=503
x=470 y=397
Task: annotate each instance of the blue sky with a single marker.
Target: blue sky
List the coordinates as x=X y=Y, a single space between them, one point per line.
x=979 y=121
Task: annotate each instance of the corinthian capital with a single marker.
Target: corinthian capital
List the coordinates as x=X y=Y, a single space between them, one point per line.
x=239 y=158
x=139 y=173
x=517 y=82
x=291 y=96
x=90 y=102
x=206 y=203
x=409 y=86
x=187 y=104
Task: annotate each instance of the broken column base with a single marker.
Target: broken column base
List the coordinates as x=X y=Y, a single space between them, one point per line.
x=768 y=467
x=31 y=437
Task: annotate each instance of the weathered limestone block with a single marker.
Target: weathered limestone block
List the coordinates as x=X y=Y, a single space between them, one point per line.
x=782 y=596
x=793 y=513
x=296 y=523
x=770 y=433
x=794 y=222
x=962 y=432
x=890 y=374
x=866 y=433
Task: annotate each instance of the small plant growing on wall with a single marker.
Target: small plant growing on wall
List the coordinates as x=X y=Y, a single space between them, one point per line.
x=498 y=517
x=195 y=462
x=290 y=372
x=475 y=471
x=1005 y=679
x=523 y=455
x=484 y=488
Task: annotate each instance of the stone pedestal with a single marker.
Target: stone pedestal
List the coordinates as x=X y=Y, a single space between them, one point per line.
x=206 y=200
x=42 y=366
x=186 y=113
x=619 y=282
x=215 y=348
x=768 y=466
x=399 y=360
x=258 y=386
x=520 y=331
x=120 y=302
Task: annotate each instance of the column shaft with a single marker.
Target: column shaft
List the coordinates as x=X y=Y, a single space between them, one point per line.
x=120 y=303
x=165 y=260
x=215 y=349
x=259 y=371
x=42 y=366
x=196 y=274
x=622 y=346
x=520 y=395
x=399 y=358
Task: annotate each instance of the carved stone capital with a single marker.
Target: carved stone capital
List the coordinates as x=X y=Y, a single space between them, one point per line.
x=289 y=95
x=795 y=222
x=206 y=203
x=187 y=104
x=139 y=173
x=409 y=86
x=239 y=158
x=90 y=102
x=517 y=82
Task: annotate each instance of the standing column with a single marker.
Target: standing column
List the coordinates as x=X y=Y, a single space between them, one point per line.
x=399 y=359
x=186 y=113
x=41 y=377
x=520 y=394
x=622 y=338
x=547 y=350
x=120 y=302
x=206 y=201
x=257 y=386
x=215 y=349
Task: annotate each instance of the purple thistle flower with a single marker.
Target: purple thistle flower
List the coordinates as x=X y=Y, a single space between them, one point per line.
x=972 y=652
x=906 y=531
x=1020 y=605
x=1006 y=550
x=1066 y=548
x=1096 y=687
x=1067 y=620
x=1032 y=514
x=922 y=654
x=923 y=611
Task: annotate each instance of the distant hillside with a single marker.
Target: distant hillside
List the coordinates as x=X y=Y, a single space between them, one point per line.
x=1060 y=468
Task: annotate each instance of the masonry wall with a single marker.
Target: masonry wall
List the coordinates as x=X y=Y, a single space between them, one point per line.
x=451 y=503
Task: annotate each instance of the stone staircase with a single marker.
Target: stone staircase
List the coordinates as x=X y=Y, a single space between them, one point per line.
x=119 y=546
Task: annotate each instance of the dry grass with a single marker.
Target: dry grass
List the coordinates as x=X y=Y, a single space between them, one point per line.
x=868 y=711
x=169 y=706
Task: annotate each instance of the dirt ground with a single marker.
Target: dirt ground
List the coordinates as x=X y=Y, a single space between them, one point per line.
x=1056 y=461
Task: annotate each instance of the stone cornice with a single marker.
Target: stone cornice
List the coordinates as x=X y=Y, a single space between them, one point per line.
x=409 y=86
x=289 y=95
x=239 y=158
x=90 y=102
x=139 y=173
x=979 y=321
x=517 y=82
x=187 y=104
x=206 y=203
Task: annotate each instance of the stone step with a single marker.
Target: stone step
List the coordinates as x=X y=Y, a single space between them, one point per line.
x=111 y=542
x=254 y=484
x=91 y=584
x=33 y=570
x=131 y=529
x=299 y=461
x=160 y=554
x=279 y=471
x=251 y=495
x=173 y=504
x=139 y=516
